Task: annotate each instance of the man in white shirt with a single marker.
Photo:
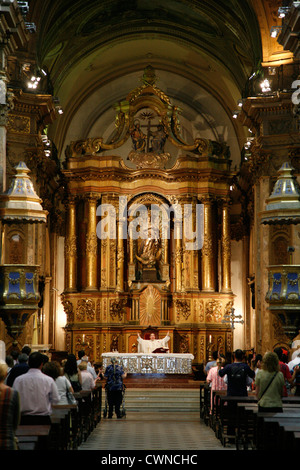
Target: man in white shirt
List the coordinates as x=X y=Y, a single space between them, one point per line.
x=37 y=392
x=147 y=346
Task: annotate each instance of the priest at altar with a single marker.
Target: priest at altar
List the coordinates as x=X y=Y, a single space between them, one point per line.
x=148 y=346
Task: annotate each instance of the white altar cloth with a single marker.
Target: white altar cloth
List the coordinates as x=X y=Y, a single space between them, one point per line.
x=154 y=363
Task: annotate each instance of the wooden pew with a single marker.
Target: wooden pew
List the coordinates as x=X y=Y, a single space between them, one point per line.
x=227 y=415
x=247 y=423
x=296 y=441
x=39 y=431
x=27 y=442
x=267 y=427
x=72 y=426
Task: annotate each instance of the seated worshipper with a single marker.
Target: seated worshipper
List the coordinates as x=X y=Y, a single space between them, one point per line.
x=9 y=412
x=147 y=346
x=114 y=374
x=237 y=374
x=18 y=369
x=269 y=384
x=87 y=380
x=37 y=392
x=216 y=382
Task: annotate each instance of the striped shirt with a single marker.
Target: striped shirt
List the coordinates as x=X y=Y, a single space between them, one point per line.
x=9 y=417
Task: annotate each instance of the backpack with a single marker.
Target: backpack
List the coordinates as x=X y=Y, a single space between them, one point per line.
x=237 y=374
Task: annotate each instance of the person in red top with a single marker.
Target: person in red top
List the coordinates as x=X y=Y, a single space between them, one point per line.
x=288 y=377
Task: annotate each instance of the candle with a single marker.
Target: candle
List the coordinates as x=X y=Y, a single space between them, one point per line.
x=83 y=336
x=210 y=338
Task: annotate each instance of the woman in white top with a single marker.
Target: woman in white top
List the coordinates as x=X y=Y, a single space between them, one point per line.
x=54 y=370
x=63 y=385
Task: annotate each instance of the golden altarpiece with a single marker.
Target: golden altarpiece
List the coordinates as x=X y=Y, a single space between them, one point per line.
x=120 y=285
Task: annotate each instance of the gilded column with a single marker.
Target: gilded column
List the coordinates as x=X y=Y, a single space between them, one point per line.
x=91 y=243
x=226 y=248
x=71 y=247
x=178 y=255
x=208 y=271
x=120 y=256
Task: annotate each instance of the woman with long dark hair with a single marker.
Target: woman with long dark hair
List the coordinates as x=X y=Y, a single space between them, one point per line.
x=72 y=373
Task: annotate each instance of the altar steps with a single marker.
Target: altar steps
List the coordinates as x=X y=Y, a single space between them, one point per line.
x=164 y=400
x=161 y=381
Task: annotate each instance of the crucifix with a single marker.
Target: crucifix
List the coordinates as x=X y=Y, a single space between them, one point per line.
x=147 y=115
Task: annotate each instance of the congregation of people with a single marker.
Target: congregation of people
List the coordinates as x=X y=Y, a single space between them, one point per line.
x=270 y=376
x=31 y=384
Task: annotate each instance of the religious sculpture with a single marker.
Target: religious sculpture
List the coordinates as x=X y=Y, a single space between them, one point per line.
x=296 y=346
x=138 y=138
x=158 y=139
x=148 y=346
x=150 y=250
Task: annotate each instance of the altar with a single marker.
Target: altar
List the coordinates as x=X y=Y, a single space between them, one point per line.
x=154 y=363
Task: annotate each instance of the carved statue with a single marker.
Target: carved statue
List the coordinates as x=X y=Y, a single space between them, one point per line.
x=138 y=138
x=158 y=139
x=150 y=250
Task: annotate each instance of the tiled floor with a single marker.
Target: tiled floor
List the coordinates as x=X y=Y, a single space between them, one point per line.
x=153 y=431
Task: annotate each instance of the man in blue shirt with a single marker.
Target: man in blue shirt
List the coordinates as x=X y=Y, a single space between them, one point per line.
x=237 y=374
x=114 y=375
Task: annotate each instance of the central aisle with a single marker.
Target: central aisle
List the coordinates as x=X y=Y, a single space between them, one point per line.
x=153 y=431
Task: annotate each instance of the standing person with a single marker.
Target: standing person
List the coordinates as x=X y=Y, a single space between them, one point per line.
x=72 y=373
x=269 y=384
x=284 y=368
x=237 y=375
x=54 y=370
x=114 y=375
x=37 y=392
x=212 y=363
x=19 y=369
x=9 y=412
x=87 y=380
x=217 y=382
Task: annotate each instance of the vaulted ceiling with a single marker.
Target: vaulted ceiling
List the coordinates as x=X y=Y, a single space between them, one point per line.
x=95 y=52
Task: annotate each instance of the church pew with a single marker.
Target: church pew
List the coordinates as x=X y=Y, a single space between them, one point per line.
x=60 y=428
x=246 y=423
x=205 y=402
x=296 y=441
x=39 y=431
x=97 y=403
x=267 y=427
x=85 y=413
x=227 y=415
x=215 y=408
x=285 y=436
x=27 y=442
x=73 y=424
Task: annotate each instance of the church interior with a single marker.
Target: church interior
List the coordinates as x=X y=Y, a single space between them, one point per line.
x=112 y=109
